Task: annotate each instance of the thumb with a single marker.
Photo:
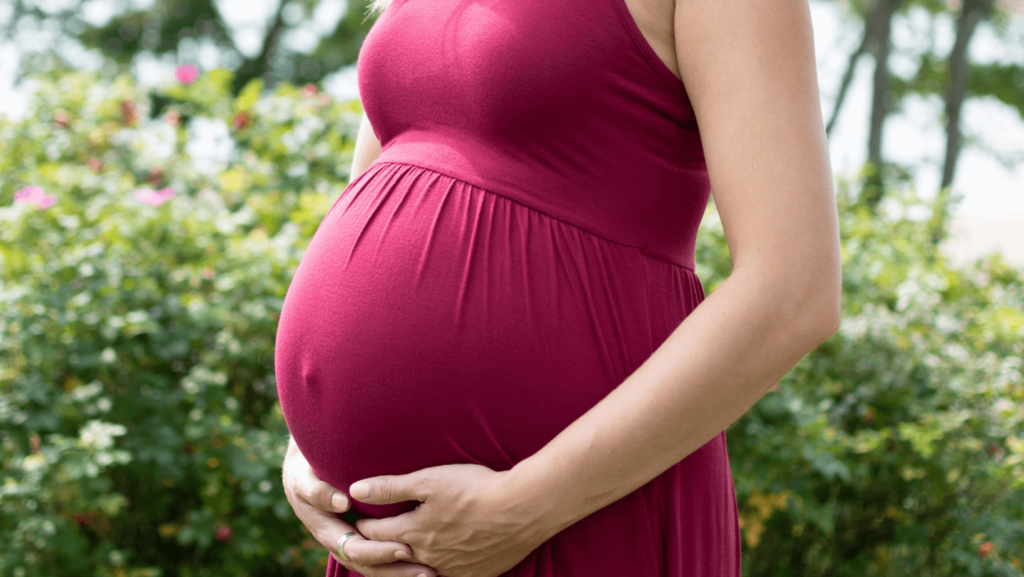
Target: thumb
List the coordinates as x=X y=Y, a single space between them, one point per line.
x=388 y=489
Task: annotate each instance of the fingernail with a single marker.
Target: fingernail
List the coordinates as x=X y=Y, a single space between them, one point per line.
x=401 y=555
x=338 y=501
x=360 y=490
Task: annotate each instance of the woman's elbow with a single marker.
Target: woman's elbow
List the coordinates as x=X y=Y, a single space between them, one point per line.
x=830 y=314
x=821 y=309
x=803 y=302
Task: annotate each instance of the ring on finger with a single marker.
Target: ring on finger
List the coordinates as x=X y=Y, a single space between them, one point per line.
x=341 y=545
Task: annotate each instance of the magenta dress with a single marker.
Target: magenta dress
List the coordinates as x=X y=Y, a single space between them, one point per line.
x=523 y=243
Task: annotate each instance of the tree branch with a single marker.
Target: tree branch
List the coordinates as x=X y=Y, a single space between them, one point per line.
x=847 y=78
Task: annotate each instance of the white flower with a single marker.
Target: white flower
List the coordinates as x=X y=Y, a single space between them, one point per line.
x=154 y=142
x=100 y=435
x=209 y=144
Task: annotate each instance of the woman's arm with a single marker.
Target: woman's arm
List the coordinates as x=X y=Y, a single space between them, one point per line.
x=749 y=68
x=367 y=148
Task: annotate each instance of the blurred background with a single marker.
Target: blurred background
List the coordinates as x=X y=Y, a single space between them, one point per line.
x=897 y=118
x=164 y=163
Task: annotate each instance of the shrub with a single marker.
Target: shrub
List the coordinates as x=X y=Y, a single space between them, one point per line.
x=142 y=276
x=897 y=447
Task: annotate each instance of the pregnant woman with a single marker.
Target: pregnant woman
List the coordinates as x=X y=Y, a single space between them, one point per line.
x=496 y=350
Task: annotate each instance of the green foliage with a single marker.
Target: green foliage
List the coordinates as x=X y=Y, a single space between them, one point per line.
x=1004 y=82
x=897 y=447
x=139 y=427
x=181 y=29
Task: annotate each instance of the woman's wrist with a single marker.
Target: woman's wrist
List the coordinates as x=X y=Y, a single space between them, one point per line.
x=530 y=500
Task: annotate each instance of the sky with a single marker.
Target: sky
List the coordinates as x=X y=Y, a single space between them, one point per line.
x=913 y=134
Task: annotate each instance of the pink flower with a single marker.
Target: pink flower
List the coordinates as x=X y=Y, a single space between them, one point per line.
x=224 y=533
x=154 y=197
x=310 y=90
x=34 y=195
x=186 y=73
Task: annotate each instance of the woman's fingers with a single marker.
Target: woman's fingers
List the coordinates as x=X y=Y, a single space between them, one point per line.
x=377 y=558
x=322 y=496
x=393 y=570
x=315 y=505
x=312 y=489
x=301 y=482
x=363 y=551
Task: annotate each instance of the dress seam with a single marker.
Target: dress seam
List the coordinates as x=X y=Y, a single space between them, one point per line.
x=639 y=249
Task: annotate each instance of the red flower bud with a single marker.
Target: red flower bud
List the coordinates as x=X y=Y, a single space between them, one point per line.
x=61 y=119
x=130 y=112
x=84 y=519
x=172 y=118
x=241 y=120
x=33 y=442
x=310 y=90
x=95 y=165
x=224 y=533
x=985 y=549
x=156 y=175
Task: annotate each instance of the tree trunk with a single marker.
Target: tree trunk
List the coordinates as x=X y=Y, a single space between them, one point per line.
x=880 y=26
x=261 y=63
x=972 y=12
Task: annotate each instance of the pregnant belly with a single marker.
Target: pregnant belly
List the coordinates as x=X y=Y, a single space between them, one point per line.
x=432 y=322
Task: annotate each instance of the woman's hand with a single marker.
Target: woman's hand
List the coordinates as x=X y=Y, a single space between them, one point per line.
x=316 y=504
x=469 y=523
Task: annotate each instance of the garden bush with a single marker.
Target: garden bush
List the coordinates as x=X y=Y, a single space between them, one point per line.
x=148 y=236
x=897 y=447
x=148 y=240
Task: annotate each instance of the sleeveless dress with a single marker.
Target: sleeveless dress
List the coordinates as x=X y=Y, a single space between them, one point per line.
x=524 y=241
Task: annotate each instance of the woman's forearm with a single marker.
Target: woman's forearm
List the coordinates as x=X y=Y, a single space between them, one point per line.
x=367 y=148
x=736 y=345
